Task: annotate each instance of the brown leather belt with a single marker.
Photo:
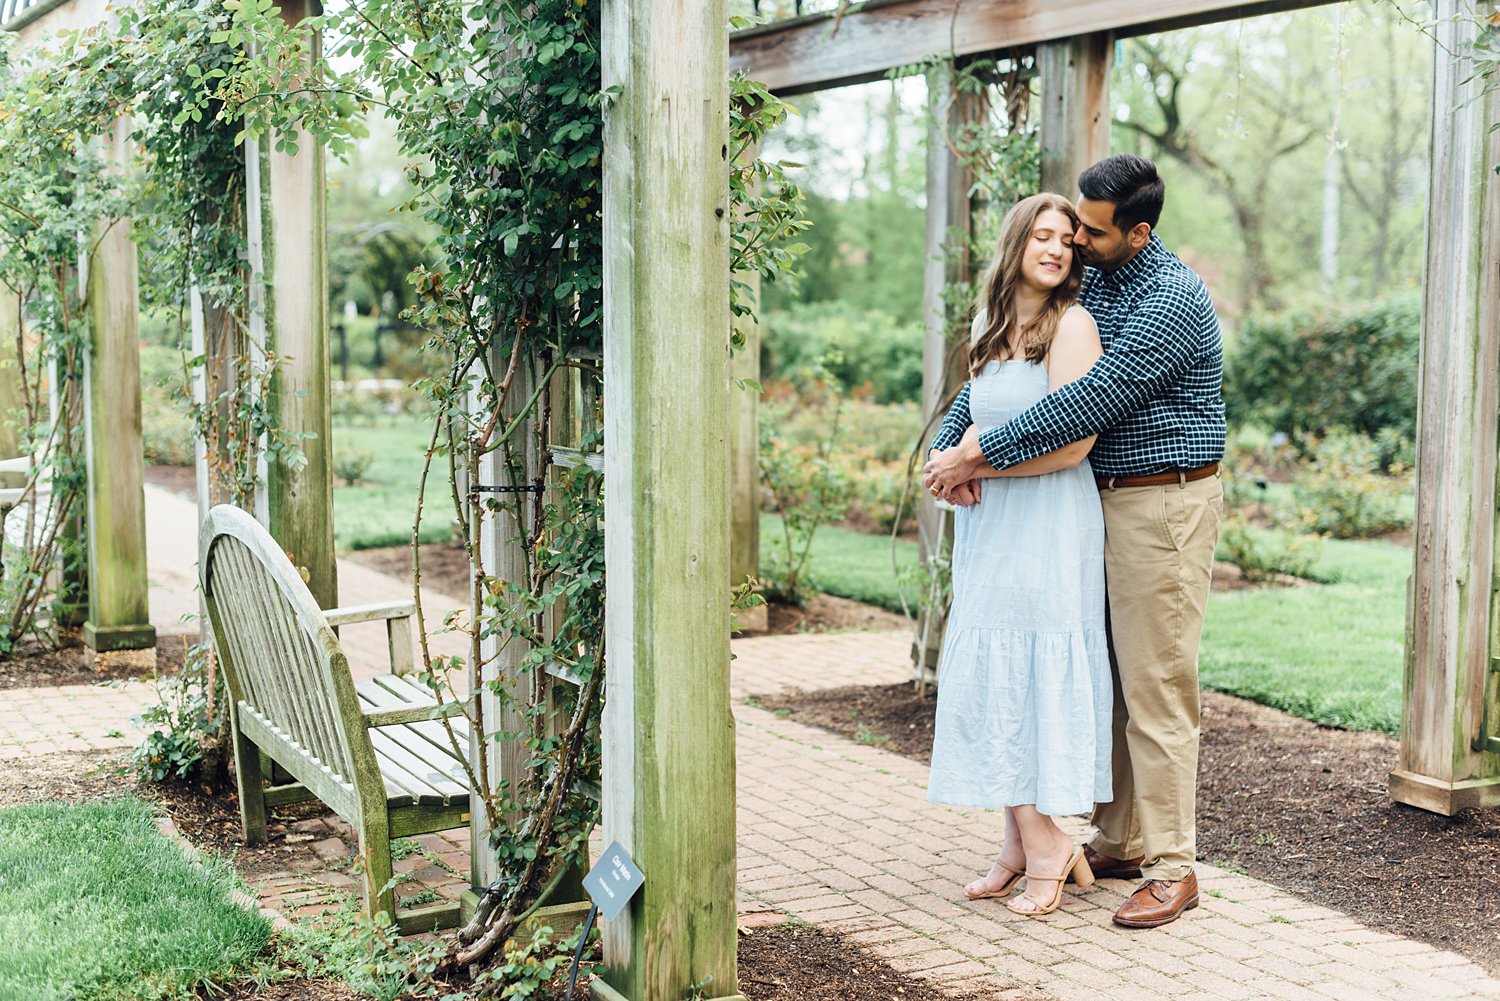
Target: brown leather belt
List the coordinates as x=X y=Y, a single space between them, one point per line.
x=1178 y=476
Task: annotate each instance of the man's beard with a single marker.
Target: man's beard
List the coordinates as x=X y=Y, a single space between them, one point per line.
x=1094 y=259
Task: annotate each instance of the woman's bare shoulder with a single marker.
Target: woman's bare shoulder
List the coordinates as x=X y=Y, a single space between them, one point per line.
x=1077 y=324
x=1077 y=336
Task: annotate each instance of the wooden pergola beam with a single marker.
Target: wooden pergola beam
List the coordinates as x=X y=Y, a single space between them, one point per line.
x=806 y=54
x=293 y=197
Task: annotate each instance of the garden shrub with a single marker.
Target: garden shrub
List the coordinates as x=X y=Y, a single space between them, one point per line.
x=804 y=482
x=166 y=424
x=1264 y=555
x=1307 y=374
x=352 y=465
x=878 y=492
x=183 y=724
x=872 y=452
x=876 y=351
x=1342 y=490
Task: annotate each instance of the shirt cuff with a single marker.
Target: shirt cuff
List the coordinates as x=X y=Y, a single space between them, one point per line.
x=999 y=447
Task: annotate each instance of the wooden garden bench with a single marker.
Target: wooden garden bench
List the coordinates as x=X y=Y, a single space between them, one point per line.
x=376 y=753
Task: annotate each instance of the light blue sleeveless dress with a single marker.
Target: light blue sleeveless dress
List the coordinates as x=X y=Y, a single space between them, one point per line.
x=1024 y=690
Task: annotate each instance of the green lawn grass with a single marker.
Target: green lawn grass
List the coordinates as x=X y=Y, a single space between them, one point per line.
x=848 y=564
x=96 y=903
x=1329 y=652
x=379 y=511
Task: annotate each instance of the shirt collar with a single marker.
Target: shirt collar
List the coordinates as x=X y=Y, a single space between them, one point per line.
x=1142 y=264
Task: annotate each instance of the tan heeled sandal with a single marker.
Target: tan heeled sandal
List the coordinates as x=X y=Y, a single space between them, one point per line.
x=1077 y=867
x=1016 y=875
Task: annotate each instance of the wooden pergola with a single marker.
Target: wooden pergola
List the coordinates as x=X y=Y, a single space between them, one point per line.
x=1450 y=732
x=669 y=769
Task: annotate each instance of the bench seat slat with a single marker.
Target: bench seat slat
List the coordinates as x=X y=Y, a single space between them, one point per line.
x=392 y=692
x=421 y=777
x=419 y=763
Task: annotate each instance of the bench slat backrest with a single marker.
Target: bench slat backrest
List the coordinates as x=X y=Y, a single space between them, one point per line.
x=281 y=659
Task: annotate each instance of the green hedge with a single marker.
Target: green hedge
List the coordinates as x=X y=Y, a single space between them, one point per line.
x=1306 y=374
x=876 y=350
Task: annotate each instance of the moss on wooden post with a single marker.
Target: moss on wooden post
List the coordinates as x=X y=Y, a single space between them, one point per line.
x=119 y=616
x=10 y=383
x=1450 y=718
x=669 y=771
x=293 y=200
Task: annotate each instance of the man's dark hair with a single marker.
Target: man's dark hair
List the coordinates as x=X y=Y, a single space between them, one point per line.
x=1132 y=183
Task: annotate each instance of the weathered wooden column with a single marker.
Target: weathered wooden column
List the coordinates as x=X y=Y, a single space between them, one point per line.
x=502 y=555
x=292 y=196
x=949 y=225
x=669 y=772
x=10 y=382
x=1075 y=107
x=744 y=459
x=119 y=616
x=1450 y=714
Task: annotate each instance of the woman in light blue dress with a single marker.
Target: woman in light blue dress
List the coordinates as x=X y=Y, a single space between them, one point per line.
x=1024 y=694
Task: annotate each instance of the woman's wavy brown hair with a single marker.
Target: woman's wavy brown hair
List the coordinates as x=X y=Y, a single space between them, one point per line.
x=1002 y=335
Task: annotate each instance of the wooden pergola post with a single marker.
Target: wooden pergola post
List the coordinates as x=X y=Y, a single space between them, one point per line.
x=292 y=200
x=947 y=263
x=1074 y=76
x=744 y=460
x=1450 y=718
x=503 y=556
x=119 y=615
x=669 y=768
x=10 y=380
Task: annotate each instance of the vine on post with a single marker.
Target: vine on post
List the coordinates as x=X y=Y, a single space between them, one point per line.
x=501 y=111
x=56 y=192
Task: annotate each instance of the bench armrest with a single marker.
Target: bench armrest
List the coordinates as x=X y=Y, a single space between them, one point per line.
x=397 y=616
x=374 y=612
x=412 y=714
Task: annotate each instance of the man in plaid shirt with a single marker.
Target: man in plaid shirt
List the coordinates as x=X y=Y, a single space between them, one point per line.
x=1154 y=401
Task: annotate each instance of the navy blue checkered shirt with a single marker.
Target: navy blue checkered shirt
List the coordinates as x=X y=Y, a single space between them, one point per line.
x=1154 y=397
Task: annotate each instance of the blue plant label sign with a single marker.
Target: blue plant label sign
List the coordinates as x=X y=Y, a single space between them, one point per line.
x=613 y=880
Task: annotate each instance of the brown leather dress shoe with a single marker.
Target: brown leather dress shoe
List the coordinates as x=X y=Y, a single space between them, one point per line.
x=1104 y=867
x=1159 y=902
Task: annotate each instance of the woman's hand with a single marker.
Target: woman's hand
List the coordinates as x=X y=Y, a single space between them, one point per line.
x=965 y=494
x=951 y=468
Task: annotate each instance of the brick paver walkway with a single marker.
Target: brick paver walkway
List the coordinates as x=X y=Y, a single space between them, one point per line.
x=840 y=834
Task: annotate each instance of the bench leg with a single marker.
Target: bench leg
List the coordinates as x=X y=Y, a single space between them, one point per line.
x=249 y=777
x=380 y=888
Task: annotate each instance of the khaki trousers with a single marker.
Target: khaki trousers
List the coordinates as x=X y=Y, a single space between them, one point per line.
x=1158 y=558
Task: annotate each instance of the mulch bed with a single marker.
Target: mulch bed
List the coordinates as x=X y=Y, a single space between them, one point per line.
x=71 y=776
x=178 y=479
x=74 y=664
x=290 y=990
x=1297 y=804
x=799 y=962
